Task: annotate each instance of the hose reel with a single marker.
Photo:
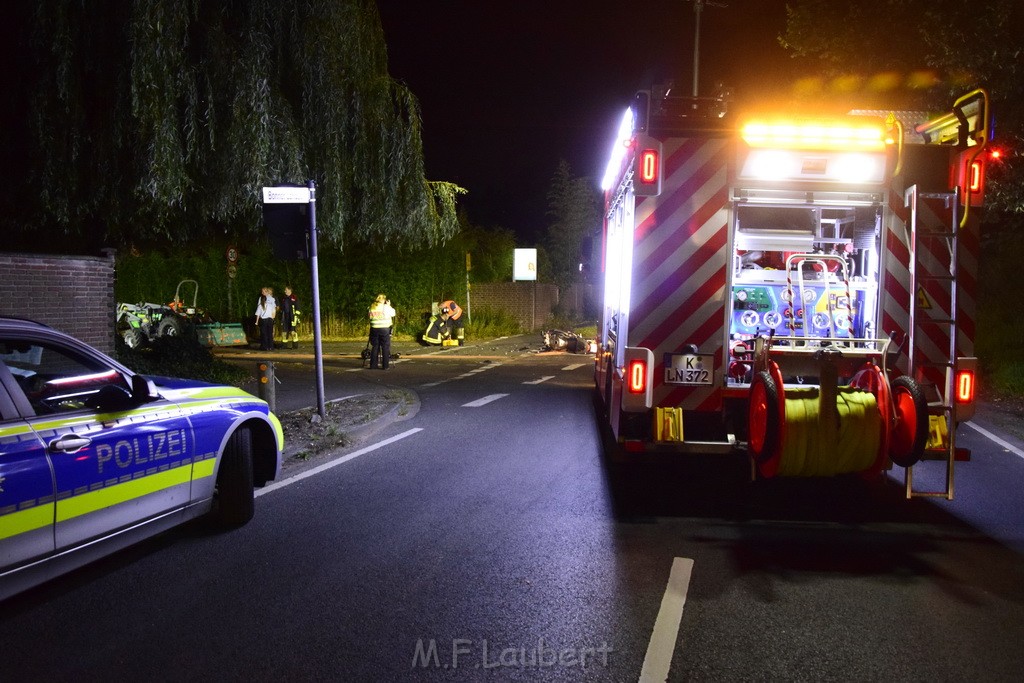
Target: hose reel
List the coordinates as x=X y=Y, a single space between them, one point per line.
x=828 y=429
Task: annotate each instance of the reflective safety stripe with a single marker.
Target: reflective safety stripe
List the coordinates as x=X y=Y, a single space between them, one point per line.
x=29 y=519
x=85 y=503
x=203 y=468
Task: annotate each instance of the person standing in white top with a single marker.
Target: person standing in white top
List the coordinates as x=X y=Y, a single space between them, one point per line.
x=266 y=309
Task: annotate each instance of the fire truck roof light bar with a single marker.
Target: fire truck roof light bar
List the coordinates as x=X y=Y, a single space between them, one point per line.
x=819 y=135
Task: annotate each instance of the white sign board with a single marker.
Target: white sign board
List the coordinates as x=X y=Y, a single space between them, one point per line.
x=524 y=265
x=286 y=195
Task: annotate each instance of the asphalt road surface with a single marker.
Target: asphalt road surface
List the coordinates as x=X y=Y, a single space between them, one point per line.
x=486 y=538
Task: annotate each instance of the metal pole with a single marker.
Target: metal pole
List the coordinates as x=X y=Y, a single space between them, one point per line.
x=469 y=307
x=318 y=350
x=698 y=5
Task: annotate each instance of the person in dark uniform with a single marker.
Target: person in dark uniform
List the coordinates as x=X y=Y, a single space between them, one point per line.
x=290 y=318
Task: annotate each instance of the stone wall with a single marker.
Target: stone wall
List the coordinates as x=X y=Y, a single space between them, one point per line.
x=73 y=294
x=532 y=303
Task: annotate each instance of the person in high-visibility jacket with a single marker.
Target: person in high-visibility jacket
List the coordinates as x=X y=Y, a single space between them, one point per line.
x=455 y=321
x=437 y=329
x=382 y=317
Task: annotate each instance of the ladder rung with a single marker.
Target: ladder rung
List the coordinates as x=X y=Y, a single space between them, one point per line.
x=930 y=233
x=921 y=320
x=944 y=277
x=935 y=363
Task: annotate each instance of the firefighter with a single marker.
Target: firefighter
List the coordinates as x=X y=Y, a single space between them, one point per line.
x=455 y=321
x=437 y=328
x=382 y=317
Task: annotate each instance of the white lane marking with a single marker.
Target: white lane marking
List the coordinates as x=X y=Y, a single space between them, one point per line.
x=577 y=365
x=666 y=627
x=1008 y=446
x=542 y=379
x=464 y=375
x=483 y=401
x=334 y=463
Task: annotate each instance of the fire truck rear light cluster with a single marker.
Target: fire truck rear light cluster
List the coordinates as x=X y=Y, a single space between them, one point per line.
x=965 y=386
x=637 y=379
x=814 y=135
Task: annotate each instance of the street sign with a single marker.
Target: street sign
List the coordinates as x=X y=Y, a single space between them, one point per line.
x=286 y=195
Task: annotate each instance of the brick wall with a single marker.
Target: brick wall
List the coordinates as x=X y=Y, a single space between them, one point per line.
x=530 y=302
x=74 y=294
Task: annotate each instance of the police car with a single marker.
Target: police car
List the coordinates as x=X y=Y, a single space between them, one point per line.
x=94 y=457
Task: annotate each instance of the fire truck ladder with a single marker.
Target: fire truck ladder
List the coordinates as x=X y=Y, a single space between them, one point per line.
x=941 y=398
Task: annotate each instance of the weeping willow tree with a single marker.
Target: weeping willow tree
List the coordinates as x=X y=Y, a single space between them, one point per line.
x=161 y=120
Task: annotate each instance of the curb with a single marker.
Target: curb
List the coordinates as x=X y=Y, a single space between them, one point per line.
x=411 y=406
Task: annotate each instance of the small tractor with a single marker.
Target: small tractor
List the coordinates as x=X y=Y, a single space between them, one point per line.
x=144 y=322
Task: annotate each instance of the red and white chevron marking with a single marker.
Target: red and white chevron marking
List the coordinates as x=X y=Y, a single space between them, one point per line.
x=680 y=264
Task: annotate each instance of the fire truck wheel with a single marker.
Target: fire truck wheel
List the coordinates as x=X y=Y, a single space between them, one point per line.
x=909 y=434
x=169 y=327
x=763 y=418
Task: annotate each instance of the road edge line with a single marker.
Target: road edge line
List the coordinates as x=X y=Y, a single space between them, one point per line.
x=334 y=463
x=992 y=437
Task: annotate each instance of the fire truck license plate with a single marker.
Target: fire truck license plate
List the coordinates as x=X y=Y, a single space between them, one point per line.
x=688 y=368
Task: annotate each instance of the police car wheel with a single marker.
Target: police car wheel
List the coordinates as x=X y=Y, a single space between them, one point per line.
x=234 y=503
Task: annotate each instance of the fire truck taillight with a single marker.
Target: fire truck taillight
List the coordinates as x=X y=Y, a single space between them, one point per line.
x=965 y=386
x=971 y=170
x=637 y=379
x=647 y=167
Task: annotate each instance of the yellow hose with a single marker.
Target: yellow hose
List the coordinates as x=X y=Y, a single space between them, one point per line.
x=807 y=451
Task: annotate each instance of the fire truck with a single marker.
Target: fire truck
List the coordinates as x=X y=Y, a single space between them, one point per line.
x=797 y=289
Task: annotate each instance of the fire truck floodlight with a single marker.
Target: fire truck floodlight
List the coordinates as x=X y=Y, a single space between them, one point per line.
x=622 y=141
x=815 y=135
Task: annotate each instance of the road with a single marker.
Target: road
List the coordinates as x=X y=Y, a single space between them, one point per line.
x=486 y=538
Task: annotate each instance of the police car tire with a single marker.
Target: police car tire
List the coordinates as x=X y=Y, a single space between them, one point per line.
x=234 y=503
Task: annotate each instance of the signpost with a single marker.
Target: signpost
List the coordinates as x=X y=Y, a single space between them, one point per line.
x=283 y=223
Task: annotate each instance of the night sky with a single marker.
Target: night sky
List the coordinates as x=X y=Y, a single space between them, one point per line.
x=507 y=89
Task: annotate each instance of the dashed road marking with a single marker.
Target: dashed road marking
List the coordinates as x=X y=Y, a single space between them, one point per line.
x=483 y=401
x=567 y=368
x=542 y=379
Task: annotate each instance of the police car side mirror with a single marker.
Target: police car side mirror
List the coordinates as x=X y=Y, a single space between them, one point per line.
x=112 y=399
x=143 y=390
x=115 y=398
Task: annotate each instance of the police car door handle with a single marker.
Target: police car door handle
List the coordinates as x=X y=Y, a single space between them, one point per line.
x=69 y=443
